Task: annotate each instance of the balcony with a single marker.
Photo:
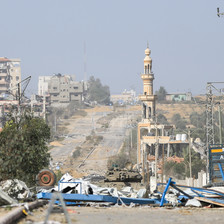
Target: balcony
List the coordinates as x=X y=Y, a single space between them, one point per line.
x=147 y=97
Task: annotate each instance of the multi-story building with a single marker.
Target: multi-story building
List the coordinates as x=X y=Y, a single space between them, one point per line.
x=10 y=76
x=125 y=97
x=179 y=96
x=43 y=85
x=61 y=88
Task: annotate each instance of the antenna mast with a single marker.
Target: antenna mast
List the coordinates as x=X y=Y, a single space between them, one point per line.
x=85 y=67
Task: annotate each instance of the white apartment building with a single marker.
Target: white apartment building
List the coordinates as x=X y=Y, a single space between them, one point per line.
x=10 y=75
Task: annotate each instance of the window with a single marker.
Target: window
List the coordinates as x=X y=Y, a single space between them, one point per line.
x=17 y=78
x=55 y=88
x=75 y=87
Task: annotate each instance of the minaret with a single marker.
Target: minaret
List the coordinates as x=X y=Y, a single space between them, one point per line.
x=148 y=99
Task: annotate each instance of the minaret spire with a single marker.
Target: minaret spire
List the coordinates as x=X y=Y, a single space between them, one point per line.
x=148 y=99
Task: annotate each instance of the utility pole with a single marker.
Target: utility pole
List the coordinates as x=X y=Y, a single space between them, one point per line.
x=220 y=124
x=162 y=163
x=156 y=150
x=55 y=122
x=210 y=119
x=44 y=107
x=189 y=142
x=143 y=162
x=85 y=66
x=131 y=139
x=209 y=123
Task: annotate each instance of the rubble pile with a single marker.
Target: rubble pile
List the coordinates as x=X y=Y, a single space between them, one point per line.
x=83 y=192
x=13 y=190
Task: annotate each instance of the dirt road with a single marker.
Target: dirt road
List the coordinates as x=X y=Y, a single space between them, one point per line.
x=113 y=138
x=140 y=215
x=79 y=128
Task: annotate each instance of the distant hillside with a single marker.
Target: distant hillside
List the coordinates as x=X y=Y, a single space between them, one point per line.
x=168 y=110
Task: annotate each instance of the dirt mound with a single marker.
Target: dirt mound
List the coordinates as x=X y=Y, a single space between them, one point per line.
x=55 y=143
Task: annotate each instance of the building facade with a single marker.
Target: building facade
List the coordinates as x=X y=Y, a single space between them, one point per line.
x=43 y=85
x=127 y=97
x=177 y=97
x=10 y=76
x=63 y=89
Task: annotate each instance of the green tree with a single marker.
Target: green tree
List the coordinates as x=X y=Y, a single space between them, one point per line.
x=162 y=119
x=179 y=122
x=175 y=169
x=161 y=93
x=198 y=120
x=23 y=149
x=98 y=92
x=197 y=163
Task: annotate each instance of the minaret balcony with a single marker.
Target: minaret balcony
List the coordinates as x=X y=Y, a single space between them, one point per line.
x=147 y=97
x=147 y=76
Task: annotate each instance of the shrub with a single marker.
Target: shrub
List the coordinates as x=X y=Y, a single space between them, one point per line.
x=119 y=160
x=76 y=153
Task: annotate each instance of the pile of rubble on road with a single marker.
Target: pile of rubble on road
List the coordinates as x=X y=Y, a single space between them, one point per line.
x=13 y=190
x=82 y=192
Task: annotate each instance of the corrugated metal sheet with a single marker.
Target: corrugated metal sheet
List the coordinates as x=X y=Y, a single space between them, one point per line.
x=216 y=163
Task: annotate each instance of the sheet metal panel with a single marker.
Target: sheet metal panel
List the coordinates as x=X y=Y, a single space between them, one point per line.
x=100 y=198
x=216 y=163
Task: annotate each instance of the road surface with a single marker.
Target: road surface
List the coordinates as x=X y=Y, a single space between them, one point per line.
x=80 y=127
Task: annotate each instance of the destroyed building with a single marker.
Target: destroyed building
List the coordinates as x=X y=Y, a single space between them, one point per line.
x=61 y=88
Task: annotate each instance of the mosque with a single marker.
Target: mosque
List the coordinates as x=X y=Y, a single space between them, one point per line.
x=155 y=140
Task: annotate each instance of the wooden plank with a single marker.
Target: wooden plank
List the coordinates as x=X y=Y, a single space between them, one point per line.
x=214 y=201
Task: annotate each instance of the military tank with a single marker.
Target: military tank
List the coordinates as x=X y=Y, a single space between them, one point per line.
x=122 y=175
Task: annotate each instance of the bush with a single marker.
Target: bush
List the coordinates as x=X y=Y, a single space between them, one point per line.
x=175 y=169
x=58 y=174
x=88 y=138
x=119 y=160
x=76 y=153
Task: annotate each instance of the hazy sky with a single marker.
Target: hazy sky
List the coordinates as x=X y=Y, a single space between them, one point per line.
x=185 y=36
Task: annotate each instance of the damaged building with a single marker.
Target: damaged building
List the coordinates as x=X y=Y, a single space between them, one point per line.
x=61 y=88
x=10 y=76
x=155 y=140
